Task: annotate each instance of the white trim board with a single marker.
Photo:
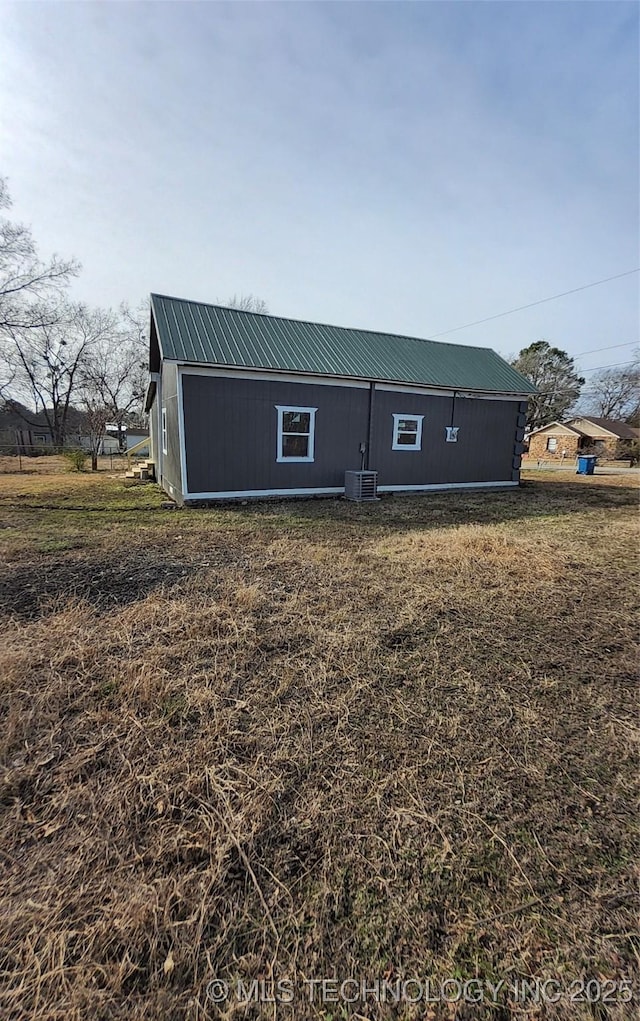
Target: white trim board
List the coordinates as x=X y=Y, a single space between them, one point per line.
x=432 y=391
x=159 y=404
x=181 y=433
x=339 y=490
x=397 y=431
x=277 y=377
x=165 y=437
x=445 y=485
x=282 y=410
x=359 y=382
x=241 y=493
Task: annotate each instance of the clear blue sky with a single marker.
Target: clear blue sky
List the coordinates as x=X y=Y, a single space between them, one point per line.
x=403 y=167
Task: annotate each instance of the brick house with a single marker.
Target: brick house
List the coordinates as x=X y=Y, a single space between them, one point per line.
x=586 y=435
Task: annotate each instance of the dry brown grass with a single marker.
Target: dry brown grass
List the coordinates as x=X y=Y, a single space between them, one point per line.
x=312 y=740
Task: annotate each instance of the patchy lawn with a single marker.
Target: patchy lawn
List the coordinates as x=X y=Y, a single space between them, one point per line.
x=297 y=741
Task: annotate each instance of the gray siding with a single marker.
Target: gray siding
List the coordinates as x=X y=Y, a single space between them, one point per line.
x=171 y=473
x=231 y=436
x=231 y=428
x=484 y=451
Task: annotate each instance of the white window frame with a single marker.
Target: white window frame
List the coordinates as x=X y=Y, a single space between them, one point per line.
x=550 y=440
x=395 y=444
x=282 y=410
x=164 y=430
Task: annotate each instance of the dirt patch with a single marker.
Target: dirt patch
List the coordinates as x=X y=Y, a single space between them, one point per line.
x=30 y=591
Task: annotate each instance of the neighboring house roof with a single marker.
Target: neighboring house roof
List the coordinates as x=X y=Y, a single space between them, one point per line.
x=557 y=427
x=17 y=416
x=619 y=429
x=189 y=331
x=14 y=414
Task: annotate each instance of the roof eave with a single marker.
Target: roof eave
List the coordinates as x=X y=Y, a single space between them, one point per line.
x=357 y=379
x=150 y=394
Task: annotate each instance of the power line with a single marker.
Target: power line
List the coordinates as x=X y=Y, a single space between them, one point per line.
x=612 y=347
x=541 y=301
x=583 y=390
x=614 y=365
x=589 y=388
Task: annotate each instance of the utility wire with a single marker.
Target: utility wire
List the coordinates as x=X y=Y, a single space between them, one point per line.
x=614 y=365
x=612 y=347
x=583 y=390
x=541 y=301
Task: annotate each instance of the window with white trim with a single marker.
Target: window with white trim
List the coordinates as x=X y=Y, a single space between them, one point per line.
x=552 y=444
x=164 y=430
x=407 y=432
x=296 y=433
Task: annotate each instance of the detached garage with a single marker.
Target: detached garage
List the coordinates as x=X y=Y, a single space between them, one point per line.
x=244 y=404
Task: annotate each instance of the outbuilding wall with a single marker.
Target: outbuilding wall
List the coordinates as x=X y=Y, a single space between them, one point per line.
x=231 y=433
x=230 y=436
x=488 y=447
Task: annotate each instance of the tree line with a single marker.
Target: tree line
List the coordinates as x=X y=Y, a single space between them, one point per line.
x=57 y=355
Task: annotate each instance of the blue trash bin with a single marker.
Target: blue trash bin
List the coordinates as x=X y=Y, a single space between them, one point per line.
x=586 y=464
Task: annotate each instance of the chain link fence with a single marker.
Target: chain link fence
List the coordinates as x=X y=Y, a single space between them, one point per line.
x=32 y=459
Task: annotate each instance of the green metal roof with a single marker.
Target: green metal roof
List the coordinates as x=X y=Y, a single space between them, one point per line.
x=189 y=331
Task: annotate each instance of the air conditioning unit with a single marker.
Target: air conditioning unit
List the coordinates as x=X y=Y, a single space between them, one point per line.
x=360 y=486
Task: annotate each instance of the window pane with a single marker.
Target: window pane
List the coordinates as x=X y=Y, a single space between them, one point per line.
x=407 y=439
x=407 y=425
x=295 y=446
x=296 y=422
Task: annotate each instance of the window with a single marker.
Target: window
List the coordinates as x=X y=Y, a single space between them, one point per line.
x=407 y=432
x=552 y=444
x=296 y=429
x=164 y=430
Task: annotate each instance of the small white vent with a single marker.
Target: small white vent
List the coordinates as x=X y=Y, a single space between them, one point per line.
x=452 y=433
x=360 y=486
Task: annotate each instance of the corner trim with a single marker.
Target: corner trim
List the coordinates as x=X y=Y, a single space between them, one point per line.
x=181 y=434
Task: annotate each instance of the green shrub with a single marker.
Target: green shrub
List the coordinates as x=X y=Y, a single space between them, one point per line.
x=76 y=459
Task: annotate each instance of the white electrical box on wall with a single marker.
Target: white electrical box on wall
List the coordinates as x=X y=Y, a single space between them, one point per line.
x=452 y=433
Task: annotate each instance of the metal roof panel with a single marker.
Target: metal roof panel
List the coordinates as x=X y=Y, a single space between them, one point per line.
x=191 y=331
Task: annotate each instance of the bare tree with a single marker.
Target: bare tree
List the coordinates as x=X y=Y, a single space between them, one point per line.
x=248 y=303
x=614 y=392
x=46 y=362
x=29 y=288
x=114 y=373
x=95 y=418
x=136 y=322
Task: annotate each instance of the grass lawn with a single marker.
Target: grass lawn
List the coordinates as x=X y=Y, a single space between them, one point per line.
x=295 y=741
